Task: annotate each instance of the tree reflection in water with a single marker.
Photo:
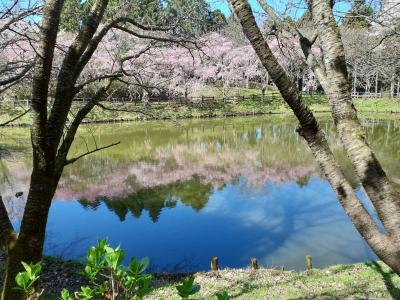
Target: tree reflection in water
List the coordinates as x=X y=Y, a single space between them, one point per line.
x=234 y=188
x=192 y=192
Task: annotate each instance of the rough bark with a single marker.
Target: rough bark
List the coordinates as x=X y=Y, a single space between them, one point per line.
x=332 y=74
x=7 y=233
x=49 y=153
x=29 y=244
x=383 y=246
x=376 y=183
x=69 y=74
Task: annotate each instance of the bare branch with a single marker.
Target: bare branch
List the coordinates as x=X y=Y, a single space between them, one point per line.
x=305 y=43
x=141 y=26
x=70 y=72
x=96 y=78
x=137 y=55
x=70 y=135
x=17 y=76
x=309 y=128
x=72 y=160
x=14 y=119
x=118 y=109
x=181 y=42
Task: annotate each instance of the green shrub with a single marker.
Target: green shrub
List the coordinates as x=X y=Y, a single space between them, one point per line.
x=187 y=288
x=109 y=278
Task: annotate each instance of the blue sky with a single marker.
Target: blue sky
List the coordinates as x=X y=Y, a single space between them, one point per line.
x=280 y=4
x=223 y=6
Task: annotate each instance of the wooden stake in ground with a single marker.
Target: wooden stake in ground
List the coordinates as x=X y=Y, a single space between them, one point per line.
x=254 y=263
x=309 y=264
x=214 y=263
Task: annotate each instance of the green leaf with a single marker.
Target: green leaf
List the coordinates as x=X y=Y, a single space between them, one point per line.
x=26 y=267
x=101 y=244
x=139 y=267
x=86 y=293
x=222 y=295
x=187 y=288
x=114 y=257
x=31 y=274
x=143 y=264
x=36 y=269
x=65 y=295
x=22 y=280
x=144 y=286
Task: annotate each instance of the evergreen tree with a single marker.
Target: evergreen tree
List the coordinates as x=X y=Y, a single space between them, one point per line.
x=359 y=14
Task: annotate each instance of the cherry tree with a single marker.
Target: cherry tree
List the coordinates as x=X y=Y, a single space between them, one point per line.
x=17 y=39
x=53 y=127
x=331 y=70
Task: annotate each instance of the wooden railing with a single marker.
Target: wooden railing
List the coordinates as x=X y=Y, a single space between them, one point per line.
x=268 y=98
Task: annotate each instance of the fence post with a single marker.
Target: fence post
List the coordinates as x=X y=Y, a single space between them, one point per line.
x=254 y=263
x=214 y=263
x=309 y=264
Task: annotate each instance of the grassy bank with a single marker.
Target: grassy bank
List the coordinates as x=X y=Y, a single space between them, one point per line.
x=359 y=281
x=274 y=105
x=370 y=280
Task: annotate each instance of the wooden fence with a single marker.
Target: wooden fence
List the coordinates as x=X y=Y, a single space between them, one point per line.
x=375 y=95
x=268 y=98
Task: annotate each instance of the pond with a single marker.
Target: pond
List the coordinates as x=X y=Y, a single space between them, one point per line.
x=182 y=192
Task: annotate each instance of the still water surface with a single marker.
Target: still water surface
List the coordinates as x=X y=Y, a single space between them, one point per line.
x=182 y=192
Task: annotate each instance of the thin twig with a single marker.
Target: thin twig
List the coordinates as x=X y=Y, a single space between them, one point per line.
x=74 y=159
x=14 y=119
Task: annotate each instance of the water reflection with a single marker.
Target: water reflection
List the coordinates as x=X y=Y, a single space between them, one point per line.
x=234 y=188
x=192 y=193
x=277 y=223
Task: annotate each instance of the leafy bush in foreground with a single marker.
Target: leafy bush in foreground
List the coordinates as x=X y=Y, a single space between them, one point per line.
x=108 y=277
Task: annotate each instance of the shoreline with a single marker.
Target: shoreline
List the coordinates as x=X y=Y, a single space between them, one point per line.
x=367 y=280
x=217 y=116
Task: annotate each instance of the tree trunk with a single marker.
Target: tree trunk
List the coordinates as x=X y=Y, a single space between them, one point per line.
x=372 y=176
x=186 y=93
x=368 y=86
x=29 y=245
x=263 y=90
x=392 y=87
x=379 y=188
x=300 y=80
x=355 y=82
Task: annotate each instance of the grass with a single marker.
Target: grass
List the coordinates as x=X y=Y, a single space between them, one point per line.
x=370 y=280
x=360 y=281
x=273 y=105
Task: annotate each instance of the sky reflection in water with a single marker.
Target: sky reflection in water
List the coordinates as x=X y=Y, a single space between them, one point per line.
x=277 y=223
x=235 y=188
